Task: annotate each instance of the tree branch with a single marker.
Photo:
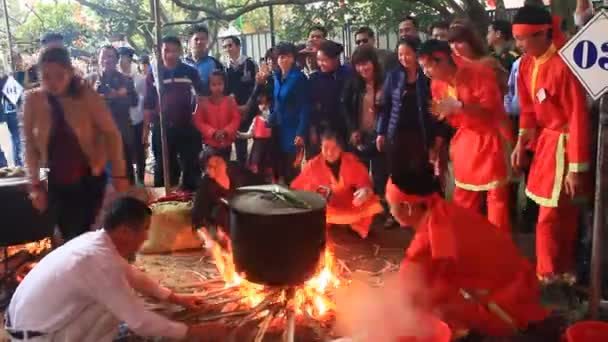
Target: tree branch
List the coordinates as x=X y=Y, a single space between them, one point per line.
x=186 y=22
x=221 y=14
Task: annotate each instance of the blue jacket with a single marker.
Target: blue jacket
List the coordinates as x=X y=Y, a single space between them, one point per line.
x=205 y=66
x=391 y=101
x=291 y=111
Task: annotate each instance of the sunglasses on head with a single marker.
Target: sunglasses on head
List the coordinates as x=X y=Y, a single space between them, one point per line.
x=362 y=41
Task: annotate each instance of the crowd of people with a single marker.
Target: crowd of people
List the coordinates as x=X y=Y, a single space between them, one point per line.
x=374 y=134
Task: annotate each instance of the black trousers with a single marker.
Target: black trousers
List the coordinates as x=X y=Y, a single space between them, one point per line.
x=139 y=152
x=240 y=146
x=184 y=145
x=74 y=207
x=375 y=161
x=285 y=167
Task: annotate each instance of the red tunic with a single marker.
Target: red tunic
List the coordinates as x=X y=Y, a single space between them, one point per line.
x=479 y=149
x=457 y=249
x=353 y=176
x=553 y=102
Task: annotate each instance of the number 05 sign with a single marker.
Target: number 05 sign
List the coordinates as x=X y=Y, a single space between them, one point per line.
x=587 y=55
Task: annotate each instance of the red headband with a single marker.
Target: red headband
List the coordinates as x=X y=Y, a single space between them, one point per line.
x=525 y=29
x=558 y=37
x=394 y=195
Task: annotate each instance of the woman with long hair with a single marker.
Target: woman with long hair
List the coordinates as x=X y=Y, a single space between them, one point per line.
x=468 y=46
x=69 y=130
x=359 y=106
x=404 y=120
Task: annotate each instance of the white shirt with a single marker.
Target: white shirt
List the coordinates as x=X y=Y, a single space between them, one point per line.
x=137 y=112
x=88 y=271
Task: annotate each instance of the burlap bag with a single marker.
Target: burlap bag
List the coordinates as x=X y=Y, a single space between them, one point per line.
x=171 y=229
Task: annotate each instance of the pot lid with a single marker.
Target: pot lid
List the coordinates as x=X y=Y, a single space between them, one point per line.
x=275 y=200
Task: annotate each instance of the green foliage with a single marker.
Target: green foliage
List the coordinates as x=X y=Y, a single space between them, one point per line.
x=78 y=30
x=382 y=15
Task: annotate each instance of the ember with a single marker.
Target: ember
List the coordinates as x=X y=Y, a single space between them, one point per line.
x=33 y=248
x=311 y=302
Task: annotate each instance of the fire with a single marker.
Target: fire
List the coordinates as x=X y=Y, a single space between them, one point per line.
x=33 y=248
x=314 y=296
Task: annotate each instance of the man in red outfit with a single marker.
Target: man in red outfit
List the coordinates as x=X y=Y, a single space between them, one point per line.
x=471 y=273
x=346 y=180
x=467 y=95
x=555 y=122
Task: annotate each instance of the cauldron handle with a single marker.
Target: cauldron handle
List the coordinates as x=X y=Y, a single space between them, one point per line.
x=324 y=191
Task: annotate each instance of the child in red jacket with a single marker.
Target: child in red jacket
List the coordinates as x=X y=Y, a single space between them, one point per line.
x=217 y=117
x=260 y=159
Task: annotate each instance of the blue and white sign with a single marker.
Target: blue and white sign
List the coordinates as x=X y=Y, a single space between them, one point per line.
x=587 y=55
x=12 y=90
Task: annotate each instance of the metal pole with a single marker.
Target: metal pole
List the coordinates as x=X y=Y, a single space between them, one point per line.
x=599 y=211
x=159 y=88
x=271 y=13
x=9 y=38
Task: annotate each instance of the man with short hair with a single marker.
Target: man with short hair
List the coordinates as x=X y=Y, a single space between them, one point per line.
x=119 y=92
x=84 y=289
x=468 y=98
x=317 y=34
x=199 y=56
x=554 y=122
x=240 y=78
x=365 y=36
x=500 y=40
x=184 y=143
x=137 y=112
x=48 y=40
x=345 y=180
x=409 y=27
x=439 y=30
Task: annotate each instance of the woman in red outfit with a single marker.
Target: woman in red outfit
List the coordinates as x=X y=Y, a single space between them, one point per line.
x=217 y=117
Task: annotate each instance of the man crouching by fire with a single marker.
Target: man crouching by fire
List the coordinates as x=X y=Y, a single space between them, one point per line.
x=84 y=289
x=473 y=275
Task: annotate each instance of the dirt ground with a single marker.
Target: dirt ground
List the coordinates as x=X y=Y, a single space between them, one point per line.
x=370 y=260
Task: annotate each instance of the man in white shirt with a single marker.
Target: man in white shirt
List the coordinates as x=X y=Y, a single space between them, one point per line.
x=81 y=291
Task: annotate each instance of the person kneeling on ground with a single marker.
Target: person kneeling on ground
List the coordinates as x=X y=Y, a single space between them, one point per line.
x=345 y=181
x=472 y=274
x=82 y=290
x=220 y=181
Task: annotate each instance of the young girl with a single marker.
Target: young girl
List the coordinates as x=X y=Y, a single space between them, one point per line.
x=260 y=159
x=217 y=117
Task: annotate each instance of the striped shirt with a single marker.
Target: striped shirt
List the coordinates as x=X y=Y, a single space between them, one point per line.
x=179 y=86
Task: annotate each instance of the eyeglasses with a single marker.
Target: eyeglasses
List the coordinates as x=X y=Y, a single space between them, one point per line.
x=361 y=41
x=227 y=46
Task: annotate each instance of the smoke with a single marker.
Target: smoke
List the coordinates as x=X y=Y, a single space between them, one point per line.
x=390 y=313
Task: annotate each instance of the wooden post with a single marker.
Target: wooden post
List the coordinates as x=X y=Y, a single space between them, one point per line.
x=9 y=38
x=272 y=33
x=159 y=88
x=601 y=169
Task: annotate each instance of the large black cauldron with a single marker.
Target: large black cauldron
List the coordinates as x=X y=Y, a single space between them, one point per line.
x=19 y=221
x=275 y=240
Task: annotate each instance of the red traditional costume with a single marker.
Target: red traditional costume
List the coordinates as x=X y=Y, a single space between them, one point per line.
x=353 y=175
x=472 y=273
x=553 y=107
x=479 y=149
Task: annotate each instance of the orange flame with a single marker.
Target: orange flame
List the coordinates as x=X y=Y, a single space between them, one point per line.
x=34 y=248
x=313 y=296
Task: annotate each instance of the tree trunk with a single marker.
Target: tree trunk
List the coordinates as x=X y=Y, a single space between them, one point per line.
x=565 y=9
x=477 y=14
x=501 y=11
x=534 y=3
